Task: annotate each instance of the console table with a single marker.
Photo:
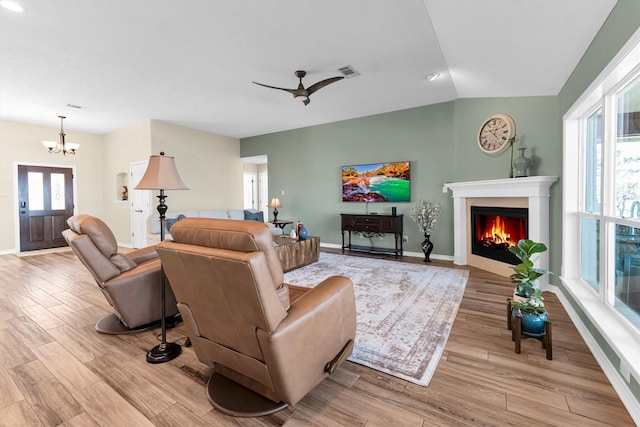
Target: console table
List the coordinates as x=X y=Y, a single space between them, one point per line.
x=372 y=225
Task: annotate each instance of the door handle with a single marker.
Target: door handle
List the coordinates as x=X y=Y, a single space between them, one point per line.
x=137 y=210
x=23 y=205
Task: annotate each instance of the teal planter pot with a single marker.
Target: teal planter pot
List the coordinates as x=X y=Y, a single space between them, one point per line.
x=533 y=323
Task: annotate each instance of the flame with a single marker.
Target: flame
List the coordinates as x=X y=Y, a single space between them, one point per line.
x=498 y=233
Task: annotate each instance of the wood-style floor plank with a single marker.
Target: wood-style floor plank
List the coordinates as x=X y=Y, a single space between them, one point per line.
x=55 y=369
x=50 y=400
x=109 y=408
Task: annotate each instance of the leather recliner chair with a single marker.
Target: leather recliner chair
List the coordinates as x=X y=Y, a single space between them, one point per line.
x=268 y=349
x=130 y=282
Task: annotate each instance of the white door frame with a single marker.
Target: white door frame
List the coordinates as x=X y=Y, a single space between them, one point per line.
x=138 y=219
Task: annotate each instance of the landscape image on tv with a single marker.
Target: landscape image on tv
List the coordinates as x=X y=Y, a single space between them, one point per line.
x=377 y=182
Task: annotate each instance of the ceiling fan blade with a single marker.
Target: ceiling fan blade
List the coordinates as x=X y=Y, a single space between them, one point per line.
x=317 y=86
x=292 y=91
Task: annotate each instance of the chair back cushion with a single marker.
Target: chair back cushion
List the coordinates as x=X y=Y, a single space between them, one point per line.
x=99 y=248
x=233 y=235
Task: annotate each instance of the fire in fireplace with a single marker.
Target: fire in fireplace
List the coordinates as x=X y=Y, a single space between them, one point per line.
x=495 y=229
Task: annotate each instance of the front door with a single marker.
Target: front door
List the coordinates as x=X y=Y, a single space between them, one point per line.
x=45 y=203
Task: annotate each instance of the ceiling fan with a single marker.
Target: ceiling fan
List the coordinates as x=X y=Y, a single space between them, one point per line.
x=302 y=94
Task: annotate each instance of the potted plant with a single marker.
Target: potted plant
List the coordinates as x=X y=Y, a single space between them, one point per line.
x=425 y=215
x=528 y=301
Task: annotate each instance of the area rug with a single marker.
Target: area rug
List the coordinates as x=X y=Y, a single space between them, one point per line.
x=405 y=311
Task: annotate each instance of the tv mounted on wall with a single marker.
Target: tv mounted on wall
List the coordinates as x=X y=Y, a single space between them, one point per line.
x=377 y=182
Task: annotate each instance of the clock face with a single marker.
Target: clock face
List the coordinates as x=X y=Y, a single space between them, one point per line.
x=495 y=133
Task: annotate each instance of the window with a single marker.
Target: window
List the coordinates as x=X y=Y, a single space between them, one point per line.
x=601 y=205
x=610 y=222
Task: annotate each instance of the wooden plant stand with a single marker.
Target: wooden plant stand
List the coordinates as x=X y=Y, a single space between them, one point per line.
x=515 y=326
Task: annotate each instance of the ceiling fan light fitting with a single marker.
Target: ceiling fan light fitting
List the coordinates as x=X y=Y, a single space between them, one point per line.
x=301 y=98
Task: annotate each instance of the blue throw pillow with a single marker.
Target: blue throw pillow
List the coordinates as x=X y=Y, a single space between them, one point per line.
x=257 y=216
x=171 y=221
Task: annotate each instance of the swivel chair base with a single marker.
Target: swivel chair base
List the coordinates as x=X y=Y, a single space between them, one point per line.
x=233 y=399
x=111 y=325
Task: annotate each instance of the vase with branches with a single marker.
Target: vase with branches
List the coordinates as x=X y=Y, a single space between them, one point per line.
x=425 y=216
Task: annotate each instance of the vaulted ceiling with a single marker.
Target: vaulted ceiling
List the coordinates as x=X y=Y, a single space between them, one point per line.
x=192 y=63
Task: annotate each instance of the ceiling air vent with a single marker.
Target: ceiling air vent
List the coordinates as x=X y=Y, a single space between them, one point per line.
x=348 y=71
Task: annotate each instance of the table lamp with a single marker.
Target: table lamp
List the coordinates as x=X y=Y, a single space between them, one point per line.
x=275 y=204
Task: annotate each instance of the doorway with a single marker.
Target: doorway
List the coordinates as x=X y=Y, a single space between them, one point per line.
x=45 y=202
x=256 y=184
x=139 y=200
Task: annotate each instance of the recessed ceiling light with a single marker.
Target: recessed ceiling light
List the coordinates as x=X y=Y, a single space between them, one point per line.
x=11 y=5
x=431 y=77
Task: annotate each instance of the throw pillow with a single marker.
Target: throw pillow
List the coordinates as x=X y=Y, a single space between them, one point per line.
x=171 y=221
x=254 y=216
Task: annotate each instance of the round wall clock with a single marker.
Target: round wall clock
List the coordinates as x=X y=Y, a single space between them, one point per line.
x=494 y=134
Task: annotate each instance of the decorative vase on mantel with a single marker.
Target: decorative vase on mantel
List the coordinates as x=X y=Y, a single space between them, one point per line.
x=521 y=164
x=427 y=247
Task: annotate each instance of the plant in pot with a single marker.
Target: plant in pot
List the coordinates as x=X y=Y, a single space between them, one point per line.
x=527 y=296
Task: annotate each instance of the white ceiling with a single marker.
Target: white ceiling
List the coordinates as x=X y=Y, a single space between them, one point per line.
x=191 y=63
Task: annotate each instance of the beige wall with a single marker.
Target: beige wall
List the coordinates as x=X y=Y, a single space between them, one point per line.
x=22 y=144
x=209 y=165
x=119 y=149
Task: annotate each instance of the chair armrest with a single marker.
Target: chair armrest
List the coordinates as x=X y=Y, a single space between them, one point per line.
x=139 y=256
x=316 y=330
x=321 y=297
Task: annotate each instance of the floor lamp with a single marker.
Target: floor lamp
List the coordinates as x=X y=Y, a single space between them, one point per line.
x=161 y=174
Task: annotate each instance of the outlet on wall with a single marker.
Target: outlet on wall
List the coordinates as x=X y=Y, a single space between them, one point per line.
x=625 y=371
x=405 y=238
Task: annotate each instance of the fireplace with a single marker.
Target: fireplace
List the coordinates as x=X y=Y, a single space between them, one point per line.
x=530 y=192
x=495 y=229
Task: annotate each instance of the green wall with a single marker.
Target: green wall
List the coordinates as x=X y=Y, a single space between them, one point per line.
x=622 y=22
x=440 y=142
x=306 y=164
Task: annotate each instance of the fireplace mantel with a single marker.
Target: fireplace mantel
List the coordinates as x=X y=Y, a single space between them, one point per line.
x=535 y=189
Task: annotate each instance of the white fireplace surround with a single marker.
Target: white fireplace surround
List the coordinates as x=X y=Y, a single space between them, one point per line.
x=535 y=189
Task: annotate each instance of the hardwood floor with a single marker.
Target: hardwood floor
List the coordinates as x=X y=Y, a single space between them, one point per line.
x=55 y=369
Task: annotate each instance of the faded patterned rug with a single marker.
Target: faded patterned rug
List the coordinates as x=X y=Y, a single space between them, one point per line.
x=405 y=311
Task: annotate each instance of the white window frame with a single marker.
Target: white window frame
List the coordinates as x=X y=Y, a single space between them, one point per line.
x=618 y=333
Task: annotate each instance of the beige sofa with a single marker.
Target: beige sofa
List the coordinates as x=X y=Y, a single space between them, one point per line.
x=153 y=222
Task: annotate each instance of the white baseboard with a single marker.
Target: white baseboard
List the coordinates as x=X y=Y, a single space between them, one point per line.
x=404 y=253
x=8 y=251
x=611 y=372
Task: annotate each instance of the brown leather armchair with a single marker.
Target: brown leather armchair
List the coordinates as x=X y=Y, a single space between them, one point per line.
x=267 y=348
x=130 y=282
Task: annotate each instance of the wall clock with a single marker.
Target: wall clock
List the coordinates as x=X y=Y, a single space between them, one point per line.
x=495 y=132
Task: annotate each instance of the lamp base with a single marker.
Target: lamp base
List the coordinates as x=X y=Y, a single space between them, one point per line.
x=164 y=352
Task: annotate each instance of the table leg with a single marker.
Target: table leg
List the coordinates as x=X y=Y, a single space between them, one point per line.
x=517 y=330
x=547 y=340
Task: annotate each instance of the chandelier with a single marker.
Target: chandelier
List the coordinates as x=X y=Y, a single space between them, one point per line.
x=58 y=146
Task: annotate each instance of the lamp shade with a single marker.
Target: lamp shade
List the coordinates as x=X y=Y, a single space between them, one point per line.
x=275 y=203
x=161 y=174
